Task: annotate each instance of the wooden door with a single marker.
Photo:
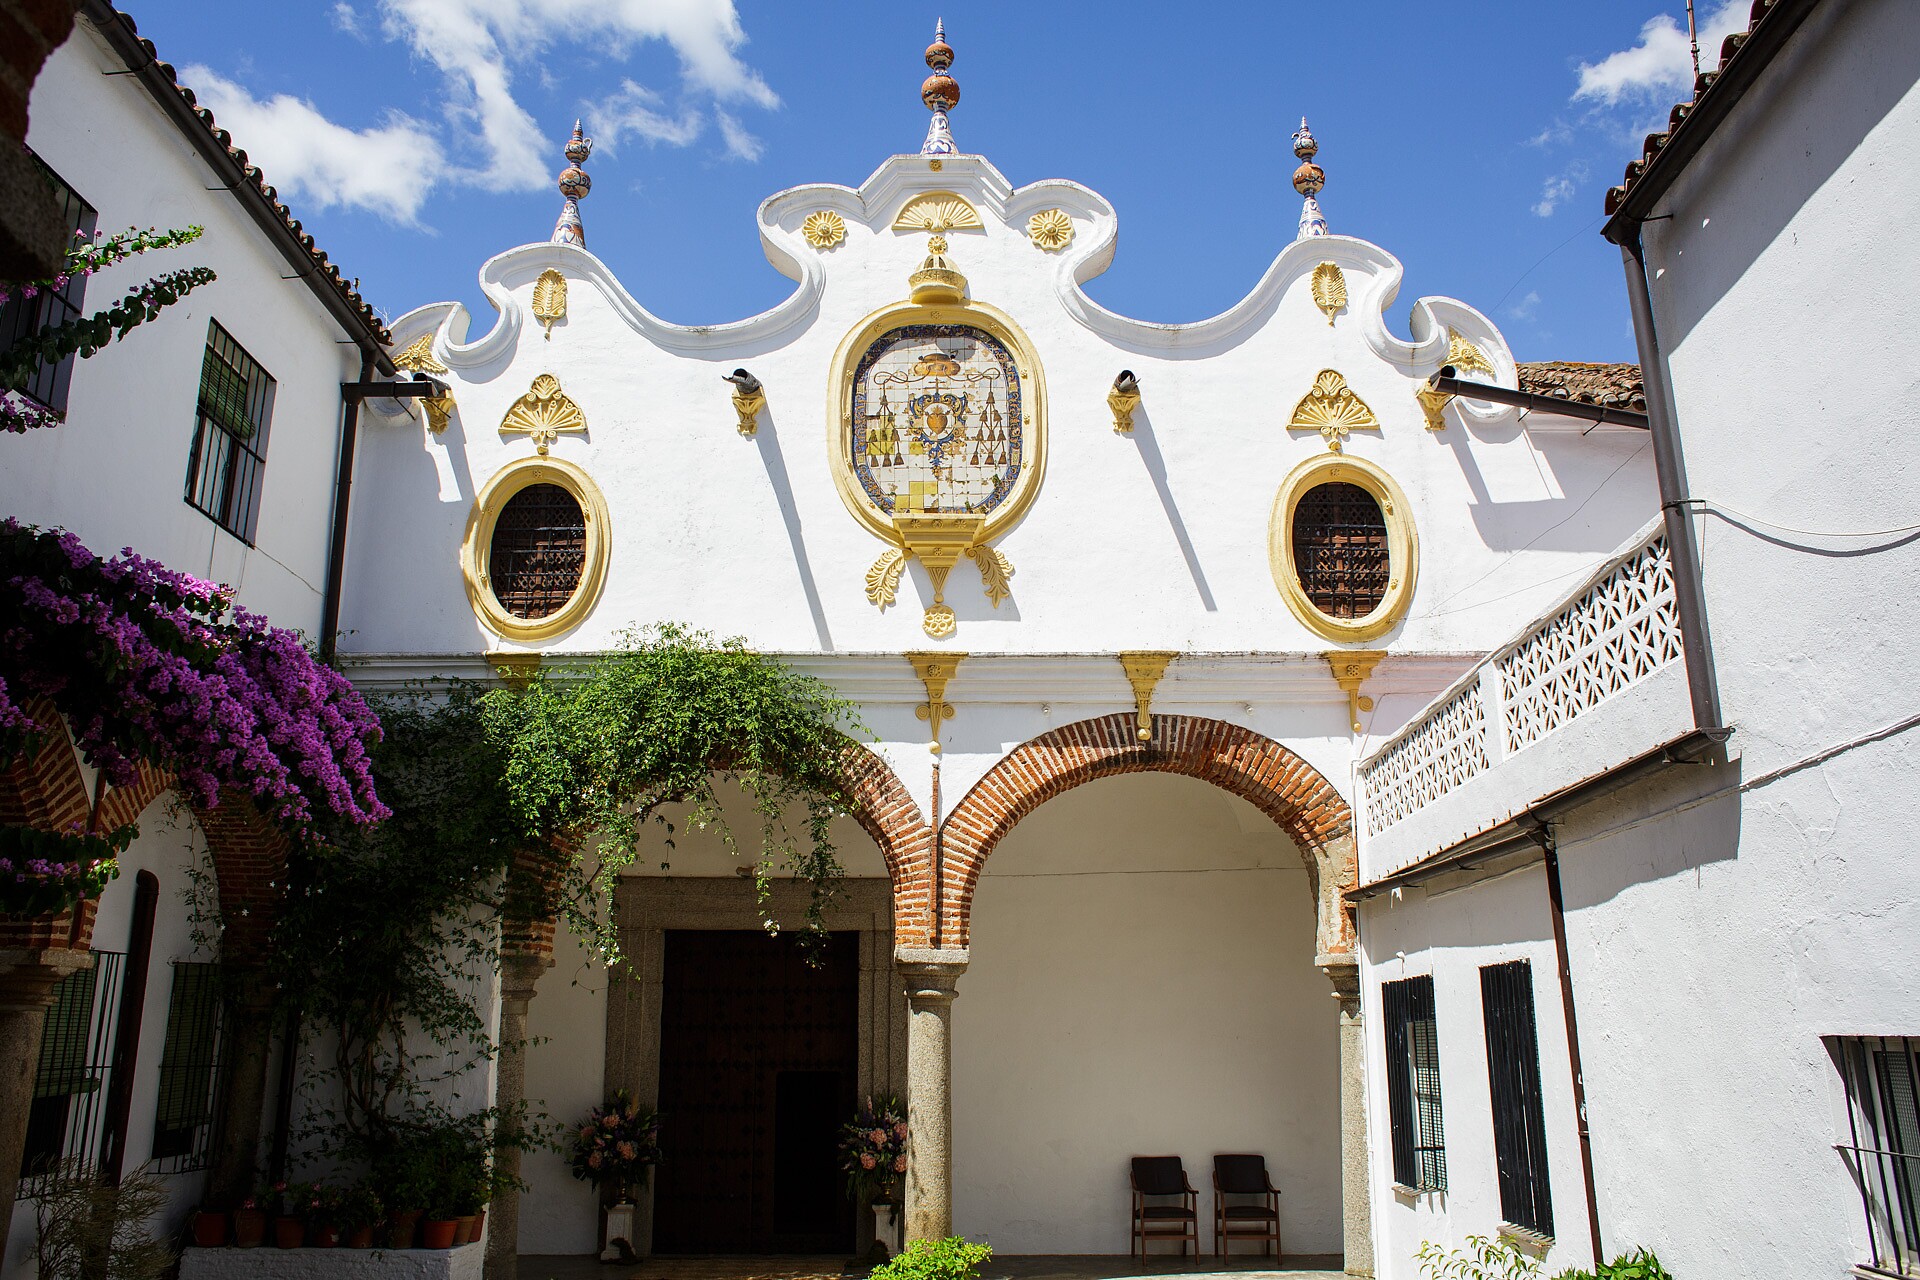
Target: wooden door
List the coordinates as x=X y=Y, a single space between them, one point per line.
x=758 y=1062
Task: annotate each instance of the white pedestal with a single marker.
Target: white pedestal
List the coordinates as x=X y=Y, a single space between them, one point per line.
x=888 y=1223
x=619 y=1227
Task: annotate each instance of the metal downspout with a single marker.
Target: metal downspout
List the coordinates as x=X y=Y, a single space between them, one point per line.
x=1543 y=834
x=1689 y=594
x=342 y=494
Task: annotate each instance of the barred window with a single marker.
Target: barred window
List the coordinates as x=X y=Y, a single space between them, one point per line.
x=539 y=551
x=184 y=1118
x=230 y=435
x=1519 y=1119
x=1882 y=1075
x=65 y=1116
x=1413 y=1085
x=20 y=317
x=1340 y=549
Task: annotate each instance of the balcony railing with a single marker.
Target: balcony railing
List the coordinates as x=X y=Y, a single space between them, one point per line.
x=1616 y=631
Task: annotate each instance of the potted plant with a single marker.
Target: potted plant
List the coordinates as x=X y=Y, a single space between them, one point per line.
x=323 y=1217
x=615 y=1148
x=359 y=1212
x=405 y=1181
x=249 y=1224
x=290 y=1219
x=873 y=1151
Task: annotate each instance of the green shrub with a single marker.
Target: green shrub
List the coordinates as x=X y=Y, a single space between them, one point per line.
x=1481 y=1258
x=1638 y=1265
x=955 y=1258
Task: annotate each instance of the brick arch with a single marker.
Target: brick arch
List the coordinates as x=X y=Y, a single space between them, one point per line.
x=1257 y=769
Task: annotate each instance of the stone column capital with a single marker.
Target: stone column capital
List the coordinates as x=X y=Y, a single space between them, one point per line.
x=931 y=974
x=1343 y=971
x=28 y=977
x=519 y=974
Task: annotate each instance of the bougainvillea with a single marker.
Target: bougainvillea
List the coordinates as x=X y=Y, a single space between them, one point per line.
x=45 y=872
x=87 y=334
x=149 y=664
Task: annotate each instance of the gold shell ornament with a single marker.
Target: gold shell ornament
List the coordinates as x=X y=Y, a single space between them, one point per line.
x=1050 y=230
x=1329 y=289
x=549 y=299
x=543 y=413
x=824 y=229
x=1462 y=354
x=1333 y=410
x=937 y=211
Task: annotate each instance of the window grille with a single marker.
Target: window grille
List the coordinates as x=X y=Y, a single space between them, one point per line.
x=1340 y=550
x=186 y=1116
x=230 y=435
x=539 y=551
x=1882 y=1150
x=20 y=316
x=1413 y=1085
x=65 y=1117
x=1513 y=1071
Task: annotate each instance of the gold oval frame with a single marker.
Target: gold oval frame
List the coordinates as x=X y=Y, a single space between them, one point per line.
x=840 y=396
x=521 y=474
x=1403 y=546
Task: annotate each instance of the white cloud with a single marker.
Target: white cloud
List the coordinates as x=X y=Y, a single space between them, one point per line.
x=304 y=153
x=1560 y=188
x=635 y=110
x=1527 y=307
x=346 y=20
x=477 y=44
x=741 y=145
x=1660 y=68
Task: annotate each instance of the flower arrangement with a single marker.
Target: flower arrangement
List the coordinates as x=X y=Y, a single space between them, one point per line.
x=148 y=664
x=617 y=1144
x=873 y=1148
x=47 y=872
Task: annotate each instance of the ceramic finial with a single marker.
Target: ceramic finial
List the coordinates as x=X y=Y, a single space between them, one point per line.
x=1308 y=180
x=941 y=93
x=574 y=184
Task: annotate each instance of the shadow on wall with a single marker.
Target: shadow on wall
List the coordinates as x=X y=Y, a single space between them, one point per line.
x=1673 y=825
x=1149 y=446
x=1580 y=520
x=766 y=438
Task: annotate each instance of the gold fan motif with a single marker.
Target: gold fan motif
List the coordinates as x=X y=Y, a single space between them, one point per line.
x=824 y=229
x=418 y=358
x=1462 y=354
x=883 y=580
x=1333 y=410
x=1050 y=229
x=995 y=569
x=1329 y=289
x=937 y=211
x=544 y=413
x=549 y=300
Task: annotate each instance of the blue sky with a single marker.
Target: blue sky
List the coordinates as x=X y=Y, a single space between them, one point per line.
x=1474 y=141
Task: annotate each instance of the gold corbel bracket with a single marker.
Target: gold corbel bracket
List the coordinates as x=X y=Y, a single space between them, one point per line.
x=1143 y=673
x=1432 y=403
x=1351 y=667
x=1123 y=403
x=934 y=670
x=516 y=668
x=748 y=405
x=938 y=541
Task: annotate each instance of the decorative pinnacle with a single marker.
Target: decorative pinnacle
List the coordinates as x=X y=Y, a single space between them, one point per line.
x=941 y=94
x=1309 y=179
x=575 y=185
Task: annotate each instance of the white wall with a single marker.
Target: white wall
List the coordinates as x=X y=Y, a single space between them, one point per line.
x=1141 y=983
x=115 y=473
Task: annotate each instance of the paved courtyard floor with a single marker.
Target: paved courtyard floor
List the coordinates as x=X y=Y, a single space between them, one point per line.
x=1009 y=1267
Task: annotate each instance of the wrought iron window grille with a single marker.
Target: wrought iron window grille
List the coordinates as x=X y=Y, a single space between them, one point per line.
x=230 y=435
x=21 y=317
x=539 y=551
x=65 y=1118
x=1882 y=1150
x=186 y=1120
x=1340 y=549
x=1413 y=1085
x=1519 y=1119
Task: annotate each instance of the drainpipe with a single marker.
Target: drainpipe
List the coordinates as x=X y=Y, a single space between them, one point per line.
x=1689 y=594
x=342 y=492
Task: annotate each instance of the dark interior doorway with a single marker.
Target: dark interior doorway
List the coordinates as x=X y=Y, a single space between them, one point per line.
x=758 y=1070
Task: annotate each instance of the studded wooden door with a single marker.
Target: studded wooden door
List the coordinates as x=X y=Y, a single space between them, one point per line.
x=758 y=1061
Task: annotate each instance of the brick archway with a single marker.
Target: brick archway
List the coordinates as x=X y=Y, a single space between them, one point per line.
x=1259 y=770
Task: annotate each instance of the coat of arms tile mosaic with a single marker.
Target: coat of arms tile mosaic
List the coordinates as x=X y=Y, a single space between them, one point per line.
x=937 y=418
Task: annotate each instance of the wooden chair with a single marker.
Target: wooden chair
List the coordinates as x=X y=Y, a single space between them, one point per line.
x=1161 y=1178
x=1244 y=1176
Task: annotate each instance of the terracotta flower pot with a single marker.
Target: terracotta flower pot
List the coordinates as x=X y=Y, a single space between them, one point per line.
x=289 y=1232
x=361 y=1237
x=463 y=1230
x=437 y=1233
x=209 y=1229
x=249 y=1227
x=401 y=1227
x=324 y=1236
x=479 y=1223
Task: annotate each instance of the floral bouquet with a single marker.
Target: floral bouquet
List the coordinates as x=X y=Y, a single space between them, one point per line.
x=46 y=872
x=873 y=1148
x=617 y=1144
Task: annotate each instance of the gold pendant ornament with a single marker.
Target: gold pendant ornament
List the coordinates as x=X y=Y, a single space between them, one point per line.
x=1333 y=410
x=549 y=299
x=1329 y=289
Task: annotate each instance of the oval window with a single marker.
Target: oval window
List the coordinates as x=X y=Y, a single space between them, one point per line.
x=1340 y=550
x=539 y=551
